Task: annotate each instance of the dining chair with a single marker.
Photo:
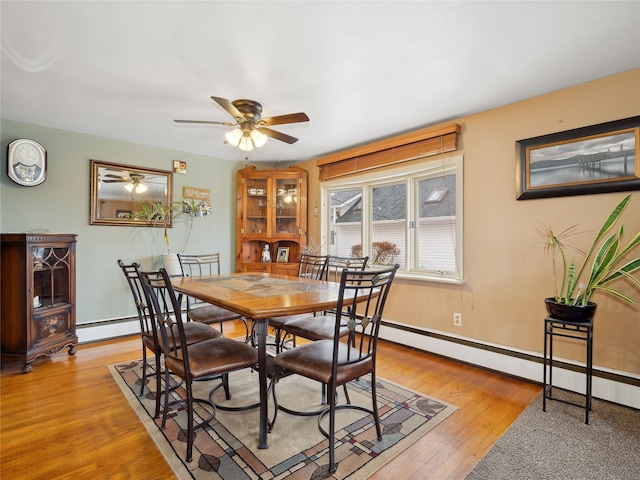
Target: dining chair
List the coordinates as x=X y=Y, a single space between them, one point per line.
x=310 y=266
x=197 y=310
x=334 y=362
x=335 y=265
x=214 y=357
x=320 y=327
x=150 y=340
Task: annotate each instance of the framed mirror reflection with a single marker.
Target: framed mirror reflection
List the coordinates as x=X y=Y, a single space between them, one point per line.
x=118 y=190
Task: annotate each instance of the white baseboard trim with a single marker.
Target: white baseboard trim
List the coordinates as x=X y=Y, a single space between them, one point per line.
x=106 y=329
x=519 y=363
x=522 y=364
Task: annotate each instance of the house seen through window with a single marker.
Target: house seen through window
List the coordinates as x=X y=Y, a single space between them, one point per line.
x=410 y=216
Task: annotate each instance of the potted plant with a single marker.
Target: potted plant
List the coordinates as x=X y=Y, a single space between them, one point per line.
x=159 y=214
x=605 y=261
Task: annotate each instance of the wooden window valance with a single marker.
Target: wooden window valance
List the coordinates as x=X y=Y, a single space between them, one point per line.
x=389 y=151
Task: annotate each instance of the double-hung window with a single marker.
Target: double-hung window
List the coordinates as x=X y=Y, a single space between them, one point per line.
x=406 y=215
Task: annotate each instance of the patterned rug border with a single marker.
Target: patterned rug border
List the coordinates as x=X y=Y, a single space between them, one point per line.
x=177 y=465
x=182 y=471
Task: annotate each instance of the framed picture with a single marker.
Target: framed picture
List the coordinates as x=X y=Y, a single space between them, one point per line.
x=283 y=254
x=179 y=166
x=123 y=213
x=597 y=159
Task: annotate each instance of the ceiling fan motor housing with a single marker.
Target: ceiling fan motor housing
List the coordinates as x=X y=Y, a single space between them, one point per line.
x=249 y=108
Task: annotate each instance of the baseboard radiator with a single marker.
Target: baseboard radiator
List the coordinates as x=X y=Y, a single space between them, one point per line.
x=614 y=386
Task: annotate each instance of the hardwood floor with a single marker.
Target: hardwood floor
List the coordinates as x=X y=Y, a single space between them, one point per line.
x=68 y=419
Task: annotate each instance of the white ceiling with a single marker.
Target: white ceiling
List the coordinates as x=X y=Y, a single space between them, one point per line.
x=361 y=70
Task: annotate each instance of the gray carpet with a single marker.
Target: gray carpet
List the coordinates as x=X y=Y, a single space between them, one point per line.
x=557 y=444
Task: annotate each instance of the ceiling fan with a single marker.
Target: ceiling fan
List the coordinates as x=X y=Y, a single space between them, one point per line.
x=252 y=131
x=133 y=180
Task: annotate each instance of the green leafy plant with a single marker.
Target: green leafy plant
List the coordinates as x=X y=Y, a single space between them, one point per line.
x=603 y=263
x=157 y=213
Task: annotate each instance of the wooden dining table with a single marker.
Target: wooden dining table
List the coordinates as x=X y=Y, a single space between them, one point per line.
x=258 y=297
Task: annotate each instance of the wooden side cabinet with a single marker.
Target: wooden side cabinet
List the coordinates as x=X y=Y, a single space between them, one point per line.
x=271 y=211
x=38 y=295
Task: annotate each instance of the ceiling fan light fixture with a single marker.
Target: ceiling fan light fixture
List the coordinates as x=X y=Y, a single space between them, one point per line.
x=139 y=187
x=259 y=138
x=246 y=143
x=234 y=137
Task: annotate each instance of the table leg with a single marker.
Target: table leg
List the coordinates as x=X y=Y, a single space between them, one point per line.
x=262 y=378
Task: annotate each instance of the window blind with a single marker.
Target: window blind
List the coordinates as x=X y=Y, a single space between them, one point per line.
x=390 y=151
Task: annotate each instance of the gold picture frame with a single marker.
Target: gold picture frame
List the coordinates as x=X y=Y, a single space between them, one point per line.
x=283 y=254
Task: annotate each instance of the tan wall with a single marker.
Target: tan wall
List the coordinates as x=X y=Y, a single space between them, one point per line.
x=507 y=274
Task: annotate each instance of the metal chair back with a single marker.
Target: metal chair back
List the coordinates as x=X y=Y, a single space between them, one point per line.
x=361 y=318
x=198 y=265
x=312 y=266
x=335 y=266
x=131 y=274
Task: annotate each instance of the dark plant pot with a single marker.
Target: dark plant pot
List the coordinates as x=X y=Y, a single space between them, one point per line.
x=571 y=313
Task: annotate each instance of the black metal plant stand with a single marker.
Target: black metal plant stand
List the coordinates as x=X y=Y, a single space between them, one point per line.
x=554 y=327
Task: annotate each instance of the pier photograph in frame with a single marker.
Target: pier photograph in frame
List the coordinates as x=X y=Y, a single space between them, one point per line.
x=597 y=159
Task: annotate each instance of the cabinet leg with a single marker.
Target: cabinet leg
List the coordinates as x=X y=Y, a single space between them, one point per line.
x=72 y=350
x=27 y=368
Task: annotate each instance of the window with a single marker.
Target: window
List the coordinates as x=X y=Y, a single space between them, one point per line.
x=409 y=215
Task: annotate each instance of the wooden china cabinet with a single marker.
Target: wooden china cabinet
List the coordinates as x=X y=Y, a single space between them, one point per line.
x=272 y=212
x=38 y=295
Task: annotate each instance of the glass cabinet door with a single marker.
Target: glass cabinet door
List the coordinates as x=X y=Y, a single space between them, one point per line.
x=287 y=207
x=51 y=276
x=256 y=206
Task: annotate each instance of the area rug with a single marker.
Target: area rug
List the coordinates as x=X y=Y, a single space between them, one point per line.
x=558 y=445
x=228 y=447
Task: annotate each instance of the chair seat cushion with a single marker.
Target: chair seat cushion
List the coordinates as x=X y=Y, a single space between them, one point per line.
x=314 y=360
x=321 y=327
x=147 y=341
x=213 y=357
x=193 y=333
x=278 y=322
x=212 y=314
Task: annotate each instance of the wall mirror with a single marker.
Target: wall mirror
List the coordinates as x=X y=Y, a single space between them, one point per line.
x=118 y=190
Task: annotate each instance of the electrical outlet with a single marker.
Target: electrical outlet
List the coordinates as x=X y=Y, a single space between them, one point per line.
x=457 y=319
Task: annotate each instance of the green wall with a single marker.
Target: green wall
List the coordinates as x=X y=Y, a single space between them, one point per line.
x=61 y=204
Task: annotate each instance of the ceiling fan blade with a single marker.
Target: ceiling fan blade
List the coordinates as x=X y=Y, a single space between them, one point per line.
x=277 y=135
x=229 y=107
x=111 y=175
x=282 y=119
x=206 y=122
x=116 y=181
